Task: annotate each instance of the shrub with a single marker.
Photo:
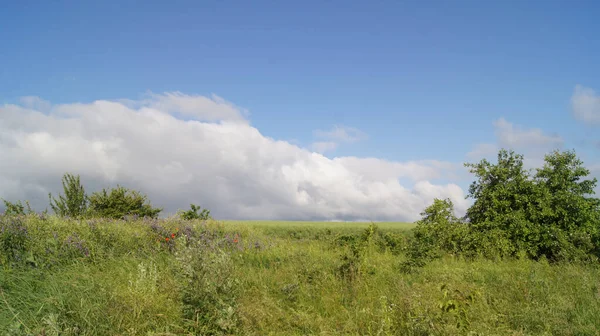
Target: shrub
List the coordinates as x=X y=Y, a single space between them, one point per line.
x=120 y=202
x=17 y=209
x=74 y=202
x=438 y=231
x=193 y=213
x=548 y=215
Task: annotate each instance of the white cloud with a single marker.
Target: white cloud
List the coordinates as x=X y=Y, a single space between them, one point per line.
x=323 y=146
x=338 y=134
x=512 y=136
x=218 y=161
x=533 y=143
x=585 y=105
x=342 y=134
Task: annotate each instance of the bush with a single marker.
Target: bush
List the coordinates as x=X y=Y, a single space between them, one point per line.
x=74 y=202
x=119 y=203
x=193 y=213
x=546 y=215
x=17 y=209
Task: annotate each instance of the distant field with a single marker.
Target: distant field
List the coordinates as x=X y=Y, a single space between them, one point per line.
x=322 y=225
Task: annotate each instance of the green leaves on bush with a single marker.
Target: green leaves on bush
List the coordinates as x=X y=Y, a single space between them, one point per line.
x=120 y=202
x=193 y=213
x=16 y=209
x=549 y=214
x=74 y=202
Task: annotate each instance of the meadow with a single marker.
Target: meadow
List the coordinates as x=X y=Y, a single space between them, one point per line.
x=204 y=277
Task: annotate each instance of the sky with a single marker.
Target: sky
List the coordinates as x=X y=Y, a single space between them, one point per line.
x=312 y=110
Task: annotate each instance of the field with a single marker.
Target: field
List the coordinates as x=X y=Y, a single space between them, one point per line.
x=175 y=277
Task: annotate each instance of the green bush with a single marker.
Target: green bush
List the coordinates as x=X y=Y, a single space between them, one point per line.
x=74 y=202
x=120 y=202
x=193 y=213
x=17 y=209
x=549 y=214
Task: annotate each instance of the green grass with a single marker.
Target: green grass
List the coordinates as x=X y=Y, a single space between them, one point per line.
x=271 y=278
x=320 y=225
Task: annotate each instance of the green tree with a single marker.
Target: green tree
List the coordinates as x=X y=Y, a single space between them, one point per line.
x=551 y=214
x=193 y=213
x=506 y=204
x=120 y=202
x=438 y=231
x=15 y=209
x=74 y=202
x=571 y=217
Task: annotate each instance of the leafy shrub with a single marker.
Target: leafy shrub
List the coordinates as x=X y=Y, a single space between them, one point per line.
x=209 y=297
x=74 y=202
x=13 y=240
x=437 y=232
x=193 y=213
x=17 y=209
x=119 y=203
x=546 y=215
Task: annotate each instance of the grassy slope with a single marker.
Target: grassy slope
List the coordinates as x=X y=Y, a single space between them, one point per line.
x=274 y=279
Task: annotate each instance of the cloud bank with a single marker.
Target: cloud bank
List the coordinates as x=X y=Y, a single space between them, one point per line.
x=181 y=149
x=585 y=105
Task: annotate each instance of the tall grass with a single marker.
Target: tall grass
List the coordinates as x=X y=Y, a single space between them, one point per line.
x=100 y=277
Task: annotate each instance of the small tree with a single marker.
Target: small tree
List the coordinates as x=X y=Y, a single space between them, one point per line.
x=16 y=209
x=74 y=202
x=570 y=219
x=193 y=213
x=121 y=202
x=551 y=214
x=438 y=230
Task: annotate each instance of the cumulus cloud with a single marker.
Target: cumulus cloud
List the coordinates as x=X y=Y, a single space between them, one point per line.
x=512 y=136
x=585 y=105
x=338 y=134
x=324 y=146
x=531 y=142
x=181 y=149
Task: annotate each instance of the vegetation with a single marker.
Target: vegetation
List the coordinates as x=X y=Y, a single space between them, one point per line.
x=17 y=208
x=549 y=214
x=522 y=261
x=193 y=213
x=120 y=202
x=74 y=202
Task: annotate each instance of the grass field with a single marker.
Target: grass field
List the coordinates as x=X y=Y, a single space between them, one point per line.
x=320 y=225
x=97 y=277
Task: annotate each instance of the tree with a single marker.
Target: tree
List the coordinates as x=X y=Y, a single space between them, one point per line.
x=15 y=209
x=550 y=214
x=439 y=230
x=74 y=202
x=121 y=202
x=571 y=217
x=193 y=213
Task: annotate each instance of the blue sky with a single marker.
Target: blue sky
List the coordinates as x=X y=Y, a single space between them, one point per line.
x=422 y=79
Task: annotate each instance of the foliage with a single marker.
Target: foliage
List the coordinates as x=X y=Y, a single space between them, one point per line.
x=17 y=208
x=74 y=202
x=193 y=213
x=215 y=278
x=120 y=202
x=437 y=232
x=549 y=214
x=13 y=240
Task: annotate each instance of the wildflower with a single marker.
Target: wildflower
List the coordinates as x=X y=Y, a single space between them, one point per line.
x=167 y=239
x=172 y=235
